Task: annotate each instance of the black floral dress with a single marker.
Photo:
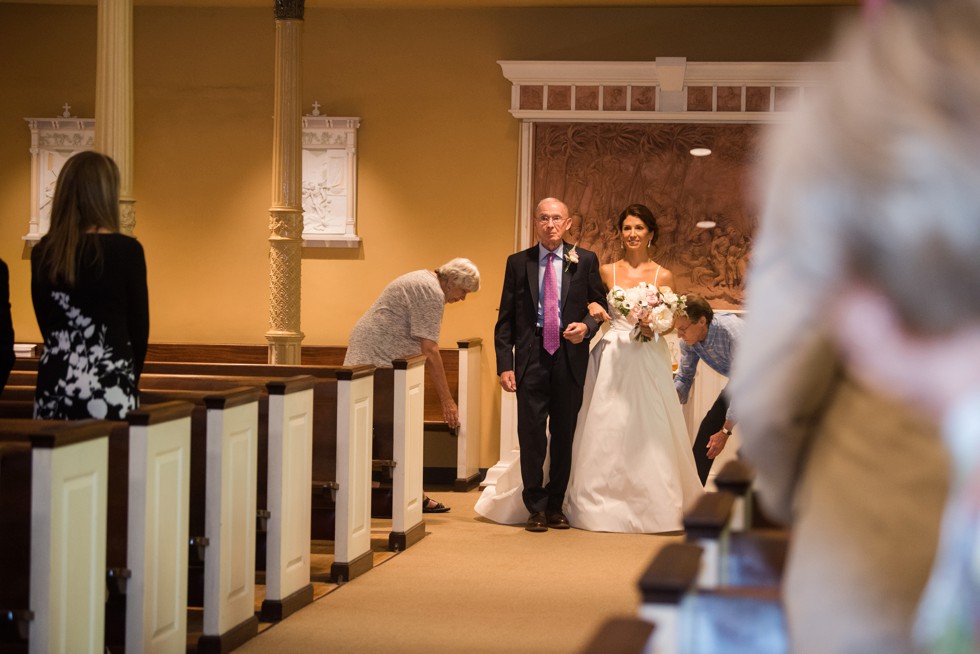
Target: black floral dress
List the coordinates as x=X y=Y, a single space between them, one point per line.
x=95 y=334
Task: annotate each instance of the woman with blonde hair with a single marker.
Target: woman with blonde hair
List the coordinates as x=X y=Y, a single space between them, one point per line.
x=88 y=285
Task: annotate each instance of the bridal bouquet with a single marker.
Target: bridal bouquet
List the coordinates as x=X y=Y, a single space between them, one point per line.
x=647 y=304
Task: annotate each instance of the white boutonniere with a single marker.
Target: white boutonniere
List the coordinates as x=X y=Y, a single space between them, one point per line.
x=571 y=257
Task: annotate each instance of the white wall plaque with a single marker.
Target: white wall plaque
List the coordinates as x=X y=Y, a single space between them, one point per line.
x=53 y=141
x=330 y=181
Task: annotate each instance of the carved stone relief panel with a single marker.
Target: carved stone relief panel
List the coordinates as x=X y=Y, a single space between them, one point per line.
x=598 y=169
x=330 y=181
x=53 y=141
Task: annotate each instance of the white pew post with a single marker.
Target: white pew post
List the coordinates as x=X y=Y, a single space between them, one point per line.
x=355 y=424
x=665 y=588
x=69 y=476
x=468 y=442
x=229 y=516
x=157 y=527
x=407 y=526
x=287 y=577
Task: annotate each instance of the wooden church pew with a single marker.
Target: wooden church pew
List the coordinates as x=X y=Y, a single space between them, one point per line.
x=734 y=554
x=224 y=447
x=53 y=520
x=397 y=410
x=462 y=365
x=721 y=620
x=147 y=530
x=333 y=465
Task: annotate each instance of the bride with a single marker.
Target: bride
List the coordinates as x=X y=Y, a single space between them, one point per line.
x=632 y=465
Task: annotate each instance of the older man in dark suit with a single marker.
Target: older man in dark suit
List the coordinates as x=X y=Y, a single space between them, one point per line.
x=542 y=343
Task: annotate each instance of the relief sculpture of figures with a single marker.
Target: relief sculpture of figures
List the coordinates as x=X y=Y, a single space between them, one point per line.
x=599 y=168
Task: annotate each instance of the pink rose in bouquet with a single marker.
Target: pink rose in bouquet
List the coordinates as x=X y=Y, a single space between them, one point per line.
x=645 y=304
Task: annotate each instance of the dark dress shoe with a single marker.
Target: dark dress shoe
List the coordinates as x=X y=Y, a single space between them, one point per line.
x=557 y=520
x=537 y=522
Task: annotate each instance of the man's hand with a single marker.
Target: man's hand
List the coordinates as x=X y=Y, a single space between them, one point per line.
x=450 y=413
x=716 y=444
x=575 y=332
x=508 y=381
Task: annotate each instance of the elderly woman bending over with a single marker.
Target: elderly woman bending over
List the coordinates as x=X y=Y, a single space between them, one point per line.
x=405 y=320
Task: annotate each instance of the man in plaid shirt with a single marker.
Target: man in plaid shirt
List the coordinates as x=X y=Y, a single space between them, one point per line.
x=712 y=339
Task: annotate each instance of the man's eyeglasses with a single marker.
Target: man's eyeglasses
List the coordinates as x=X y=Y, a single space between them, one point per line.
x=544 y=220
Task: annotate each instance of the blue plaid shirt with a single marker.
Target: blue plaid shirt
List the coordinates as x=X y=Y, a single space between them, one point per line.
x=717 y=350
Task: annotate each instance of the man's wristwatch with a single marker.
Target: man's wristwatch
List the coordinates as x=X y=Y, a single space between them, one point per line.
x=726 y=432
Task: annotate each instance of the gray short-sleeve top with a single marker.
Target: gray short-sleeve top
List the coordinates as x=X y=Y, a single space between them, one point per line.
x=408 y=310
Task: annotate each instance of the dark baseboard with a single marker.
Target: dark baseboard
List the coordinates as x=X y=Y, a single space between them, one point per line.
x=276 y=610
x=231 y=639
x=401 y=541
x=464 y=485
x=447 y=477
x=343 y=572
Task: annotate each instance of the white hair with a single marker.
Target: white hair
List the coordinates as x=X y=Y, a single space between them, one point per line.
x=461 y=273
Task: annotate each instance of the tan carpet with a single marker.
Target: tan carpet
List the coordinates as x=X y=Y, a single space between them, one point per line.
x=474 y=586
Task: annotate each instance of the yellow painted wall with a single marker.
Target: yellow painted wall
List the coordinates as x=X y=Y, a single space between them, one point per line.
x=437 y=147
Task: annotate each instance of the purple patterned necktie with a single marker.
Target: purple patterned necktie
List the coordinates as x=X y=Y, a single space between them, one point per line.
x=550 y=305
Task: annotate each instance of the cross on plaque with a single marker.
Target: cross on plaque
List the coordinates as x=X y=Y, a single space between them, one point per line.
x=316 y=108
x=67 y=108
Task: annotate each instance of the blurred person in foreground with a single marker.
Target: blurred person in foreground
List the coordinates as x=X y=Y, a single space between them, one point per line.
x=405 y=321
x=88 y=284
x=864 y=284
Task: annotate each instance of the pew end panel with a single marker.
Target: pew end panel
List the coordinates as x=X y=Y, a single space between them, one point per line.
x=158 y=526
x=470 y=415
x=68 y=507
x=230 y=489
x=355 y=423
x=290 y=477
x=407 y=525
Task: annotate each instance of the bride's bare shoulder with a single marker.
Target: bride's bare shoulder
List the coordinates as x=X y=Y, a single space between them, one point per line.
x=664 y=277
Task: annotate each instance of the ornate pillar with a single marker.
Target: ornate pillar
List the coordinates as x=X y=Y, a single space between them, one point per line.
x=286 y=213
x=114 y=98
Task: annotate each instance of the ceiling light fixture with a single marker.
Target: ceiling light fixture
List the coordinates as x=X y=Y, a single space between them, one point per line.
x=706 y=224
x=700 y=152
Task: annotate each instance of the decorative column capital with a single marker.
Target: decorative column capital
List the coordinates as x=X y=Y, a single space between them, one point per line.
x=289 y=9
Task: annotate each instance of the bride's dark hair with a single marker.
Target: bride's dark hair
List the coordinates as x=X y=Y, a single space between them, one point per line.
x=644 y=214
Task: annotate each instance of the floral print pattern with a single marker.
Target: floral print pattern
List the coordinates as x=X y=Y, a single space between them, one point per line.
x=94 y=380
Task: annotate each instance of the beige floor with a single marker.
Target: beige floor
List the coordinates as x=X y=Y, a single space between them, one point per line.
x=474 y=586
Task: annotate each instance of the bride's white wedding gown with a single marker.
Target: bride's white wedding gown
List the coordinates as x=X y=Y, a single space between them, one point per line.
x=632 y=465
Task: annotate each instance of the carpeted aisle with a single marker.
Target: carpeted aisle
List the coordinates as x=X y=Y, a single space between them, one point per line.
x=474 y=586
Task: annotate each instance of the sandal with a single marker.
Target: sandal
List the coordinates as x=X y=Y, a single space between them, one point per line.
x=429 y=505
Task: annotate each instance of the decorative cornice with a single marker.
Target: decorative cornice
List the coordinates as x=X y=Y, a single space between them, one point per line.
x=669 y=89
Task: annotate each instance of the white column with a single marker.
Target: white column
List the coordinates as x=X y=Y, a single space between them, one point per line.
x=114 y=98
x=286 y=213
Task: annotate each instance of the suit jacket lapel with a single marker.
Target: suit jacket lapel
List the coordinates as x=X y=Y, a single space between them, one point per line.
x=532 y=275
x=566 y=276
